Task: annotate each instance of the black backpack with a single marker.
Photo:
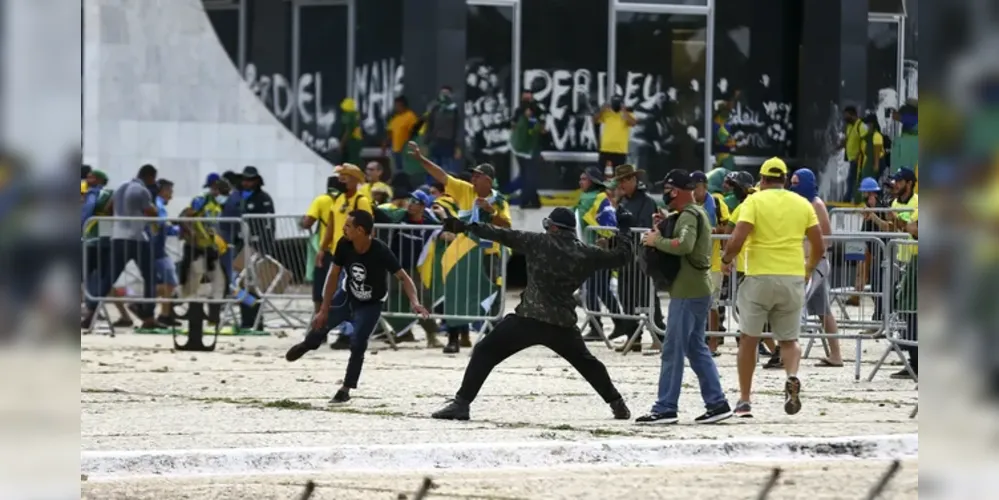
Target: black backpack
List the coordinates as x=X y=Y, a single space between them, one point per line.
x=663 y=267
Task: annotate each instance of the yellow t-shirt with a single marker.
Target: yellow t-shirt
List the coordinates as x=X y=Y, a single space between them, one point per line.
x=722 y=218
x=339 y=209
x=400 y=127
x=740 y=259
x=319 y=209
x=780 y=219
x=464 y=196
x=907 y=251
x=615 y=133
x=854 y=133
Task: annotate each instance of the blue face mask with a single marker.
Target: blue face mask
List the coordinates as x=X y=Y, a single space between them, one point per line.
x=806 y=186
x=246 y=194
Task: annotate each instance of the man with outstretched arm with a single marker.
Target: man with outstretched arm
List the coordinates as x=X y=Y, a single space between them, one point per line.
x=368 y=262
x=557 y=264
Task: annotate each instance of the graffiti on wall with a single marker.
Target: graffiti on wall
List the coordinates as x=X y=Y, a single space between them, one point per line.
x=487 y=108
x=766 y=125
x=376 y=85
x=316 y=116
x=888 y=98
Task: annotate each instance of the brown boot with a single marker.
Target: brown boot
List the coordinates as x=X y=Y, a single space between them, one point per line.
x=854 y=300
x=465 y=339
x=433 y=342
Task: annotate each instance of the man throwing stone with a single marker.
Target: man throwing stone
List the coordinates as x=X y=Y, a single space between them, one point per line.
x=557 y=264
x=689 y=304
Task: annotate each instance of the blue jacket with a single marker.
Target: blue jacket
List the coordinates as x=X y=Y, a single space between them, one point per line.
x=231 y=208
x=89 y=205
x=159 y=236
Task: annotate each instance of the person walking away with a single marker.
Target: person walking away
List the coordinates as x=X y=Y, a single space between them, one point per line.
x=368 y=263
x=129 y=242
x=635 y=287
x=817 y=290
x=166 y=269
x=852 y=143
x=872 y=152
x=401 y=129
x=773 y=290
x=257 y=202
x=557 y=265
x=615 y=121
x=596 y=209
x=904 y=184
x=477 y=201
x=349 y=200
x=689 y=304
x=97 y=237
x=351 y=137
x=718 y=215
x=318 y=215
x=526 y=131
x=204 y=245
x=443 y=122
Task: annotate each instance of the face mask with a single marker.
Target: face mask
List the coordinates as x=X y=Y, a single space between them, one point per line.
x=806 y=186
x=221 y=199
x=668 y=197
x=335 y=184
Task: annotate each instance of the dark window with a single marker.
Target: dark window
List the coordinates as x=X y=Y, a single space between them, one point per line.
x=667 y=2
x=378 y=70
x=268 y=56
x=660 y=75
x=886 y=6
x=488 y=82
x=564 y=60
x=322 y=70
x=882 y=71
x=756 y=54
x=226 y=24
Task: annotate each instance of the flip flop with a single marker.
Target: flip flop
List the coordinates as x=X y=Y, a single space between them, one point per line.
x=825 y=363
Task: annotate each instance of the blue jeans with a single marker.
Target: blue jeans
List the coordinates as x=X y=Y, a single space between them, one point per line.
x=365 y=317
x=685 y=325
x=119 y=254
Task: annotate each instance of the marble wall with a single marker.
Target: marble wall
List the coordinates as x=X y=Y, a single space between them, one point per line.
x=159 y=88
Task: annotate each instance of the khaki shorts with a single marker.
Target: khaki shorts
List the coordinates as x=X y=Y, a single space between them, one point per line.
x=716 y=287
x=774 y=299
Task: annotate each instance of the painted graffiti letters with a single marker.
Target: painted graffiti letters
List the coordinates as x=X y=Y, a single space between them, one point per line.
x=305 y=97
x=376 y=86
x=487 y=110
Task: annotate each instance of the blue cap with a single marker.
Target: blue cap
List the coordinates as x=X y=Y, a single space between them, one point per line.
x=421 y=197
x=905 y=174
x=869 y=185
x=211 y=179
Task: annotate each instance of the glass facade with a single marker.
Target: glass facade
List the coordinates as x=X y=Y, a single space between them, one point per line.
x=673 y=62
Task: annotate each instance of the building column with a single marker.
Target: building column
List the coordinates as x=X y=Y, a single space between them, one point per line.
x=434 y=49
x=832 y=74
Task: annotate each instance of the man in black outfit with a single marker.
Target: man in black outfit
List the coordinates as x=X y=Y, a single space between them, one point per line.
x=557 y=264
x=368 y=262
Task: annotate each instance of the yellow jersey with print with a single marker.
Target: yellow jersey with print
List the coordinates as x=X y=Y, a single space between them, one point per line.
x=780 y=219
x=722 y=218
x=342 y=206
x=740 y=258
x=319 y=210
x=400 y=128
x=205 y=232
x=615 y=133
x=464 y=197
x=907 y=250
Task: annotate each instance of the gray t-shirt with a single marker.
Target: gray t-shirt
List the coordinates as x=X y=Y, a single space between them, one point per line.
x=131 y=199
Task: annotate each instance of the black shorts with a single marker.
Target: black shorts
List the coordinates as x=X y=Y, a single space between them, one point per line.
x=319 y=277
x=615 y=159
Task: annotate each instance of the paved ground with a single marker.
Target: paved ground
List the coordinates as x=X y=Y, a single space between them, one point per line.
x=137 y=393
x=811 y=481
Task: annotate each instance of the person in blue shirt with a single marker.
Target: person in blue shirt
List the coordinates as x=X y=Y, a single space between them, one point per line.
x=701 y=196
x=165 y=269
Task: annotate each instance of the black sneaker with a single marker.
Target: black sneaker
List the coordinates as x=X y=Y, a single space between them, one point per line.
x=621 y=411
x=715 y=415
x=452 y=346
x=455 y=409
x=636 y=347
x=774 y=362
x=902 y=374
x=658 y=418
x=743 y=410
x=792 y=390
x=342 y=343
x=298 y=350
x=168 y=320
x=341 y=396
x=123 y=323
x=406 y=337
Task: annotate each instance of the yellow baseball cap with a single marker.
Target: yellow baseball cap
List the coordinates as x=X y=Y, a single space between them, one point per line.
x=774 y=167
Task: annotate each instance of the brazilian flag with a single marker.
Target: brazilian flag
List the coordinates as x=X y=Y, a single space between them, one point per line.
x=457 y=276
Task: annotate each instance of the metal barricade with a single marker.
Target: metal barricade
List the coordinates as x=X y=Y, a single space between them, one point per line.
x=628 y=295
x=901 y=311
x=851 y=220
x=120 y=254
x=290 y=276
x=459 y=279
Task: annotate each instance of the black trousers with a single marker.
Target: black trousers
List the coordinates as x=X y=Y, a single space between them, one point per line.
x=514 y=334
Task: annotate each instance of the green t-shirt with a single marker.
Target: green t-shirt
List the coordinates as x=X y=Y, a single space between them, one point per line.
x=526 y=137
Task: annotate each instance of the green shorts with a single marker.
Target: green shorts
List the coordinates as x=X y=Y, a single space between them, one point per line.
x=771 y=299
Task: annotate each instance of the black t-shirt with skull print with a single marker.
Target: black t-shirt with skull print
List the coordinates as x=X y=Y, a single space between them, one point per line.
x=368 y=272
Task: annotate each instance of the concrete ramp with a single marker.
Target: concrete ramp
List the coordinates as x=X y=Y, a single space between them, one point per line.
x=159 y=88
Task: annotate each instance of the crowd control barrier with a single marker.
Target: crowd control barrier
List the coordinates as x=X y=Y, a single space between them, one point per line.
x=901 y=311
x=460 y=279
